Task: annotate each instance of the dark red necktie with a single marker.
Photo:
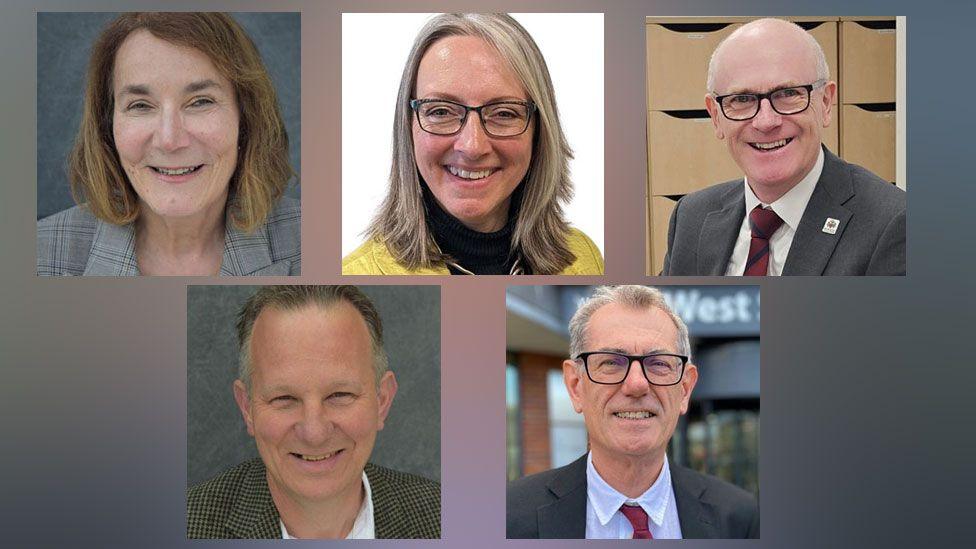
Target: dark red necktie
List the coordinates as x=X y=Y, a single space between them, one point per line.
x=638 y=519
x=764 y=223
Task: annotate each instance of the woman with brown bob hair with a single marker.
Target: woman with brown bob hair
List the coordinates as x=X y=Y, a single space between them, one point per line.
x=181 y=158
x=480 y=170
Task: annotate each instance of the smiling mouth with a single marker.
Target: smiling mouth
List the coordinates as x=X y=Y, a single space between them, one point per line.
x=640 y=414
x=176 y=171
x=466 y=174
x=772 y=145
x=315 y=457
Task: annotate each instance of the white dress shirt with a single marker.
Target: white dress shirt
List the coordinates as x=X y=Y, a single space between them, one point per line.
x=789 y=208
x=363 y=528
x=604 y=519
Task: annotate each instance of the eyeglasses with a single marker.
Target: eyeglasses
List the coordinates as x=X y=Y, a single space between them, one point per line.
x=501 y=119
x=608 y=368
x=789 y=100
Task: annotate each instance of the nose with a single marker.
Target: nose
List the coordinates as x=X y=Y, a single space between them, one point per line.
x=315 y=426
x=472 y=140
x=171 y=135
x=766 y=119
x=635 y=384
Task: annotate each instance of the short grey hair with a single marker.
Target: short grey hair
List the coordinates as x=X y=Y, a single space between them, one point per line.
x=823 y=71
x=541 y=229
x=293 y=298
x=636 y=297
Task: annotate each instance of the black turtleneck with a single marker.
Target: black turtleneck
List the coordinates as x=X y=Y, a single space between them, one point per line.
x=480 y=253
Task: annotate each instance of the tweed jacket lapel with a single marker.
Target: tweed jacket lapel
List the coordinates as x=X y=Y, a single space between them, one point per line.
x=249 y=254
x=254 y=515
x=565 y=518
x=719 y=232
x=812 y=248
x=113 y=251
x=402 y=511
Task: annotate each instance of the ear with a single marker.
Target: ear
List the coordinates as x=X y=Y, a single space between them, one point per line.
x=714 y=111
x=573 y=379
x=829 y=92
x=244 y=403
x=385 y=393
x=688 y=382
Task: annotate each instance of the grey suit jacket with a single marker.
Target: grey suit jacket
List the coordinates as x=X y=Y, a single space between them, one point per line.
x=552 y=504
x=870 y=239
x=237 y=505
x=75 y=243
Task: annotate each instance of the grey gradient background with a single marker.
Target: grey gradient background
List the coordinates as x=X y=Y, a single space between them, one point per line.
x=216 y=437
x=867 y=383
x=64 y=42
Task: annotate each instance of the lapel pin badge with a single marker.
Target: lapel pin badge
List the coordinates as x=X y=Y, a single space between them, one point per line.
x=830 y=226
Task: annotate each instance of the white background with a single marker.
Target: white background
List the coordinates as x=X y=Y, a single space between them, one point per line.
x=375 y=48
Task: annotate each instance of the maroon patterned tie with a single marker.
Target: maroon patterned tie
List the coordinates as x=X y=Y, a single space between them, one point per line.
x=764 y=223
x=638 y=519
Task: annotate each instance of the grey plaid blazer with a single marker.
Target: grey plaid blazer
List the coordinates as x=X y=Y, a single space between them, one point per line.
x=75 y=243
x=237 y=505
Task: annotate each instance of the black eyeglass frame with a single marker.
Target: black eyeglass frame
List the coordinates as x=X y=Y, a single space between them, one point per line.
x=630 y=362
x=768 y=96
x=416 y=103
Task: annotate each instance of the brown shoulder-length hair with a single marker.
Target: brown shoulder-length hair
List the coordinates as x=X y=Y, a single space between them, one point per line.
x=540 y=236
x=263 y=168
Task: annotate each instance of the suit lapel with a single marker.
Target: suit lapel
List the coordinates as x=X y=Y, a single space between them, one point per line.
x=254 y=515
x=387 y=513
x=812 y=247
x=565 y=518
x=697 y=517
x=719 y=232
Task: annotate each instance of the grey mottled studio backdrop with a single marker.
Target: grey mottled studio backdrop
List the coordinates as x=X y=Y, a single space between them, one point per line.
x=216 y=436
x=64 y=43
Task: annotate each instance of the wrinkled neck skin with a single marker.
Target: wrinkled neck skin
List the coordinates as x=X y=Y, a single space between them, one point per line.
x=332 y=519
x=190 y=246
x=629 y=475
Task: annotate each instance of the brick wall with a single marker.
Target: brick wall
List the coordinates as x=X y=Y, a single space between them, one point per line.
x=533 y=369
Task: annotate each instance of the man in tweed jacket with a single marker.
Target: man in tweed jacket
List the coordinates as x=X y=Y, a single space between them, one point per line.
x=313 y=390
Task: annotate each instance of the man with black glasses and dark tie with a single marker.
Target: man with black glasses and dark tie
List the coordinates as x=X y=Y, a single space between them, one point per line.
x=630 y=376
x=800 y=210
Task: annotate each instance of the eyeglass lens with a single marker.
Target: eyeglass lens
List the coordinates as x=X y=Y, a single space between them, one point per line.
x=613 y=368
x=785 y=101
x=499 y=119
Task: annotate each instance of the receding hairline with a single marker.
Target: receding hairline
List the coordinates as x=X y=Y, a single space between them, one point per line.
x=760 y=28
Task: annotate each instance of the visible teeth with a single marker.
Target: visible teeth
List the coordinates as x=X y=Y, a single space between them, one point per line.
x=320 y=457
x=633 y=415
x=464 y=174
x=772 y=145
x=178 y=171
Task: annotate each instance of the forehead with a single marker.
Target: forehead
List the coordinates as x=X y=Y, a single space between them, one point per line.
x=466 y=68
x=634 y=330
x=311 y=344
x=145 y=59
x=764 y=59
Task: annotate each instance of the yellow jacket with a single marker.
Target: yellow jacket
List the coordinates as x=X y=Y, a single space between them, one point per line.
x=373 y=258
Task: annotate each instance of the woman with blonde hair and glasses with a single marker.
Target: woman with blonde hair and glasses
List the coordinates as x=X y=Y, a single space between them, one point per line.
x=181 y=158
x=480 y=170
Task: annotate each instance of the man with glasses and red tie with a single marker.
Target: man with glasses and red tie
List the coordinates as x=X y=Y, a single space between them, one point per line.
x=799 y=210
x=631 y=378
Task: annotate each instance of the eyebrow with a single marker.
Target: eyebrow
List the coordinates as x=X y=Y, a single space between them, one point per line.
x=456 y=99
x=625 y=352
x=192 y=87
x=787 y=84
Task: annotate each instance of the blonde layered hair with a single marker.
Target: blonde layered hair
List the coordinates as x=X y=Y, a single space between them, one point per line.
x=263 y=168
x=540 y=235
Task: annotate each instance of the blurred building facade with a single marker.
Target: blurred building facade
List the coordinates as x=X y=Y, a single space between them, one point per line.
x=720 y=433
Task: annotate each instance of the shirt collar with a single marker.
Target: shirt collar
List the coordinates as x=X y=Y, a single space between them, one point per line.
x=606 y=500
x=791 y=205
x=363 y=527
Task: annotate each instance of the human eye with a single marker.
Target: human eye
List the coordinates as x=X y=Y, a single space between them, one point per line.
x=507 y=111
x=789 y=93
x=342 y=397
x=202 y=102
x=282 y=401
x=138 y=106
x=440 y=110
x=741 y=99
